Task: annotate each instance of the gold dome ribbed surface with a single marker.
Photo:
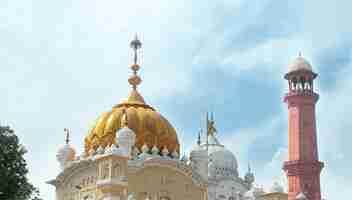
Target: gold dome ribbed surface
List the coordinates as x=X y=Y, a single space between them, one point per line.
x=149 y=126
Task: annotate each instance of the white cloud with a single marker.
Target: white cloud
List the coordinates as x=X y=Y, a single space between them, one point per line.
x=242 y=140
x=273 y=169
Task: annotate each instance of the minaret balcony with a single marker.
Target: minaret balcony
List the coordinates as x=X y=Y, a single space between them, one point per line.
x=296 y=167
x=298 y=94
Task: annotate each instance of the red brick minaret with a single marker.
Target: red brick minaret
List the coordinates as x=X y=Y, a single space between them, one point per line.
x=303 y=166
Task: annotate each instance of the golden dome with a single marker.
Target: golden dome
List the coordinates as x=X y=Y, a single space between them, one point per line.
x=149 y=126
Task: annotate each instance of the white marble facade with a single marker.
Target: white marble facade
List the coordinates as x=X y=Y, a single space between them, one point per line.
x=209 y=166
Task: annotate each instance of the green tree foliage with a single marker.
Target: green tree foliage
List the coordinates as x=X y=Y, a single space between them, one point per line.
x=14 y=184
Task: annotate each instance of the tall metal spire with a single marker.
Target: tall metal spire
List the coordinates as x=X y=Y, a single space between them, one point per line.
x=207 y=123
x=207 y=133
x=135 y=45
x=135 y=80
x=67 y=138
x=199 y=135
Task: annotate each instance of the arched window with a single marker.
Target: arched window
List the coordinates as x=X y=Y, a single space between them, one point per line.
x=302 y=80
x=105 y=171
x=294 y=80
x=310 y=82
x=117 y=170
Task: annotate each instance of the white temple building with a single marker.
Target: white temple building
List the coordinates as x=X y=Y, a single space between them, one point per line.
x=132 y=153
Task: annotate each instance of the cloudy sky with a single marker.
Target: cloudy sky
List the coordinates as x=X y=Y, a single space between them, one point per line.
x=64 y=62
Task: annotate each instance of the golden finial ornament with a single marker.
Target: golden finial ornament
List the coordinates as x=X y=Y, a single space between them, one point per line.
x=211 y=124
x=67 y=131
x=135 y=80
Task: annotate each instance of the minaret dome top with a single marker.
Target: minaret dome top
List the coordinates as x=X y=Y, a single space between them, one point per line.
x=299 y=64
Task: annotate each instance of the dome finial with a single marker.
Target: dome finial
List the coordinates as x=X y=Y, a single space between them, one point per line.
x=135 y=80
x=300 y=54
x=211 y=124
x=135 y=45
x=199 y=134
x=67 y=139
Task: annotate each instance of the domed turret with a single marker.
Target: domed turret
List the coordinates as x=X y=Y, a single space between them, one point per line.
x=66 y=153
x=125 y=136
x=299 y=64
x=147 y=124
x=300 y=77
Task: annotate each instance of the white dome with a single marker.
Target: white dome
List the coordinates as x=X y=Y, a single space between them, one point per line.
x=65 y=153
x=299 y=64
x=198 y=151
x=222 y=162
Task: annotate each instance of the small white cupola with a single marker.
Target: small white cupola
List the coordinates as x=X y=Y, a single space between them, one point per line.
x=125 y=137
x=299 y=64
x=66 y=153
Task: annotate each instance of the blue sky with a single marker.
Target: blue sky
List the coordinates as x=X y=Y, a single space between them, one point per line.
x=63 y=63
